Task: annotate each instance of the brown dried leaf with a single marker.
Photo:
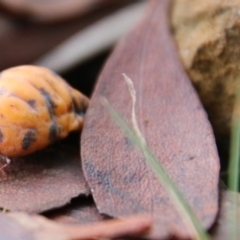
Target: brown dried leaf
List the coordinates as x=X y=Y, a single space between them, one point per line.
x=30 y=41
x=52 y=11
x=223 y=228
x=171 y=119
x=44 y=180
x=20 y=226
x=92 y=40
x=80 y=211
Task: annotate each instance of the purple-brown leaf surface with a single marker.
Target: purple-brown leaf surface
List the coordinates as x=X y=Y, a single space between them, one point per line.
x=44 y=180
x=173 y=122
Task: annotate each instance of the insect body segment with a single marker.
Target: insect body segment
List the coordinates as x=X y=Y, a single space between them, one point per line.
x=37 y=107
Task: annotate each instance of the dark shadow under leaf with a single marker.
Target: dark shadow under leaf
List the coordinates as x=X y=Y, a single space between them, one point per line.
x=80 y=211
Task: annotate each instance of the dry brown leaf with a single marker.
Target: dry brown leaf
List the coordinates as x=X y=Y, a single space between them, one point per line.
x=171 y=119
x=20 y=226
x=44 y=180
x=53 y=11
x=80 y=211
x=23 y=43
x=90 y=41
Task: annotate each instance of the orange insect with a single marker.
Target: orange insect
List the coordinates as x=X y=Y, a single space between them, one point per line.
x=37 y=107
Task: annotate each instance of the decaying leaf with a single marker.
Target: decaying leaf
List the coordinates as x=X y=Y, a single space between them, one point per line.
x=79 y=211
x=44 y=180
x=173 y=122
x=52 y=11
x=20 y=226
x=92 y=40
x=30 y=40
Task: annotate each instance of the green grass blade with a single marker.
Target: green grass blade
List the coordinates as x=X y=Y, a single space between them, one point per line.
x=180 y=202
x=233 y=177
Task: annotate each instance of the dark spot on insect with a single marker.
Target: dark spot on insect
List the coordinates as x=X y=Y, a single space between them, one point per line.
x=1 y=136
x=29 y=138
x=32 y=103
x=13 y=106
x=49 y=102
x=77 y=109
x=53 y=132
x=1 y=115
